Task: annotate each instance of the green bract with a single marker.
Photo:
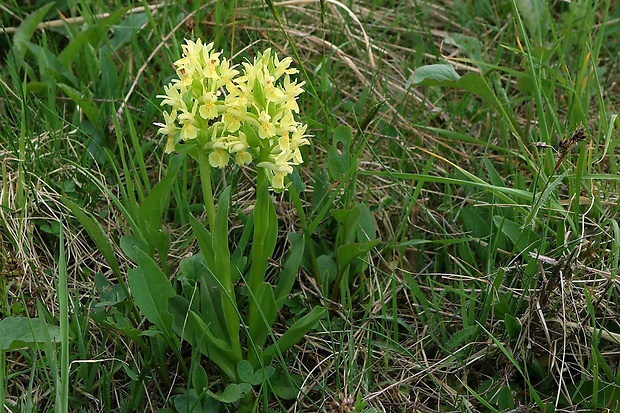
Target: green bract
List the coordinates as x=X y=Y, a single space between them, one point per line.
x=250 y=114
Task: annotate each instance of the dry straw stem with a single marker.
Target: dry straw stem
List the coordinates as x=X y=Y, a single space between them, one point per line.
x=80 y=20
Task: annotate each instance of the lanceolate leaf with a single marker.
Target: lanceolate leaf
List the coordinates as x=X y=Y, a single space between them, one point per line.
x=151 y=291
x=294 y=334
x=446 y=76
x=18 y=332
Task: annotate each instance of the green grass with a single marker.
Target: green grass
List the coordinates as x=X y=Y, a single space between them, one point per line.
x=493 y=284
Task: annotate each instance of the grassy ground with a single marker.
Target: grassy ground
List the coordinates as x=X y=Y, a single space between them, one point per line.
x=458 y=202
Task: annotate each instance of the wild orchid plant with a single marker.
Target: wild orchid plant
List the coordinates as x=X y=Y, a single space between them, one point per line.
x=217 y=112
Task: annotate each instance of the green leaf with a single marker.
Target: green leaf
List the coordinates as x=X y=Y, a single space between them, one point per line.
x=262 y=375
x=258 y=93
x=96 y=233
x=127 y=30
x=288 y=275
x=433 y=75
x=524 y=239
x=151 y=291
x=367 y=226
x=205 y=241
x=131 y=245
x=260 y=321
x=496 y=178
x=535 y=15
x=347 y=253
x=19 y=332
x=245 y=371
x=200 y=380
x=294 y=334
x=470 y=45
x=87 y=105
x=92 y=36
x=337 y=164
x=231 y=394
x=27 y=28
x=286 y=386
x=505 y=399
x=446 y=76
x=156 y=203
x=192 y=328
x=328 y=269
x=513 y=327
x=462 y=337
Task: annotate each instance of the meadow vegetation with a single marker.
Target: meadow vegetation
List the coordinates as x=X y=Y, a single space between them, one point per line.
x=450 y=242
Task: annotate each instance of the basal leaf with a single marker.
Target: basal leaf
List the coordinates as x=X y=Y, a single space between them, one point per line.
x=260 y=322
x=288 y=275
x=294 y=334
x=151 y=291
x=19 y=332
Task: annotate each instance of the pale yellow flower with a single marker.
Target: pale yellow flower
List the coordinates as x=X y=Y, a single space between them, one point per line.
x=208 y=109
x=219 y=157
x=173 y=97
x=266 y=129
x=189 y=130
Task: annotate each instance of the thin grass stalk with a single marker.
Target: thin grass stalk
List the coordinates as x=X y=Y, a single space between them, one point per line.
x=62 y=392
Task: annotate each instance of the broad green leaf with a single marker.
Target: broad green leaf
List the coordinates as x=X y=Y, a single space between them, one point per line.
x=27 y=28
x=92 y=36
x=505 y=400
x=294 y=334
x=524 y=239
x=128 y=29
x=222 y=271
x=462 y=337
x=260 y=322
x=200 y=380
x=151 y=291
x=48 y=63
x=205 y=241
x=535 y=15
x=231 y=394
x=367 y=226
x=151 y=212
x=187 y=402
x=19 y=332
x=245 y=371
x=156 y=203
x=258 y=93
x=286 y=386
x=513 y=327
x=337 y=164
x=446 y=76
x=468 y=44
x=262 y=375
x=496 y=178
x=211 y=307
x=288 y=274
x=87 y=105
x=328 y=269
x=433 y=75
x=348 y=252
x=193 y=329
x=131 y=245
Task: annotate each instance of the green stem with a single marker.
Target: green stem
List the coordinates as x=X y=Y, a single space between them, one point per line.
x=261 y=226
x=207 y=190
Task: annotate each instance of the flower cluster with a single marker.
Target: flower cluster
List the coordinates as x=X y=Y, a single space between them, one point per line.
x=249 y=113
